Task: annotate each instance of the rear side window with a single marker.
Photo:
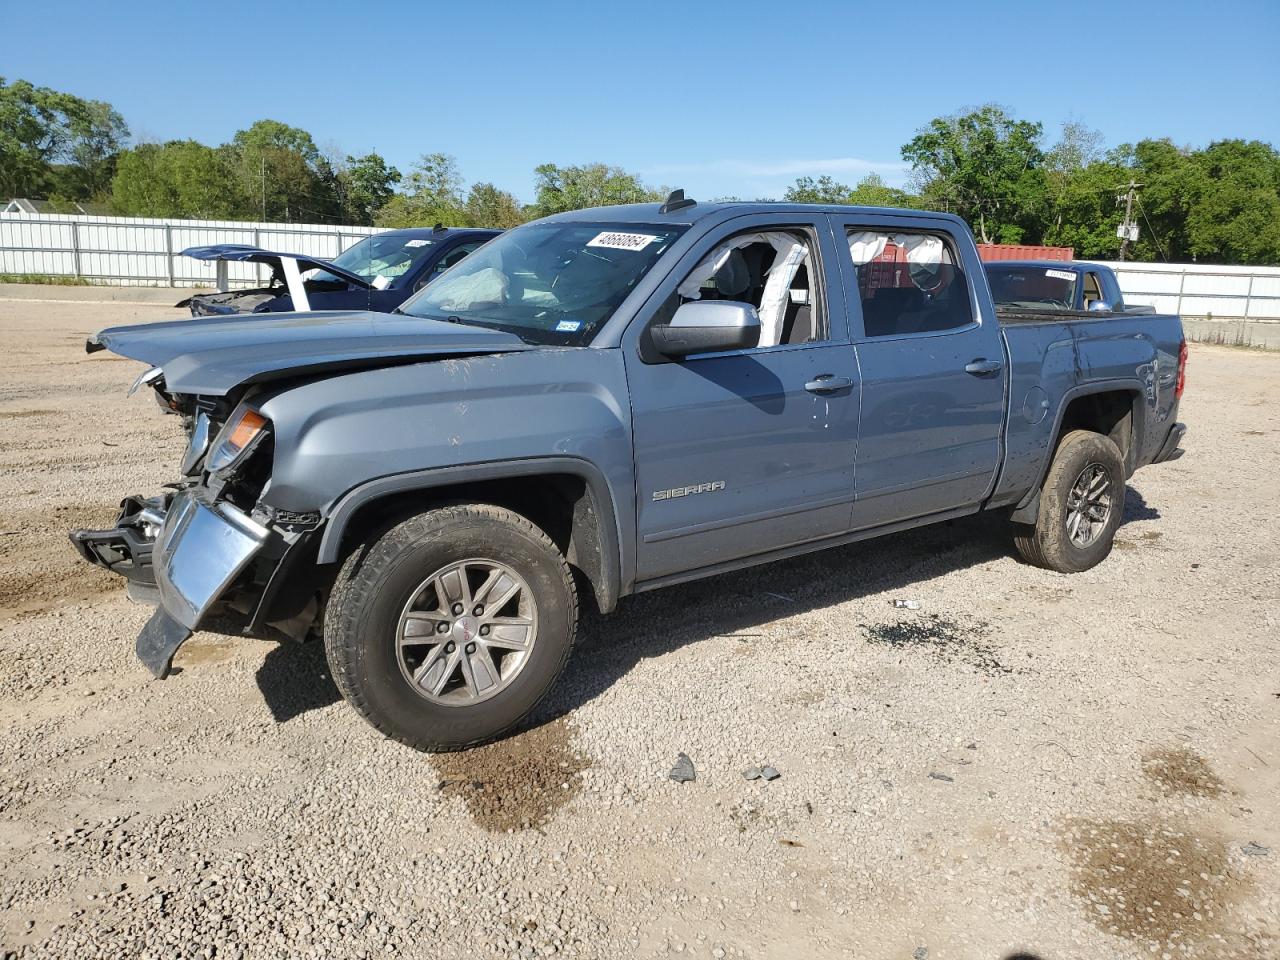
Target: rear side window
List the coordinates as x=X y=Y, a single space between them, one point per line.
x=908 y=283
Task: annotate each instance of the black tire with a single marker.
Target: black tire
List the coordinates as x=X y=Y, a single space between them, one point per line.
x=1049 y=543
x=378 y=581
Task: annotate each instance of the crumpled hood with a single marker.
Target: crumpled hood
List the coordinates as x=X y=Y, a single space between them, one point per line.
x=212 y=356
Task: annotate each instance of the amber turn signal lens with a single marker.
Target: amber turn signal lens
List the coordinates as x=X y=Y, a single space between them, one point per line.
x=250 y=425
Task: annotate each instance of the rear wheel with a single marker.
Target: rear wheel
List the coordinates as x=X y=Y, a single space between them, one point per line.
x=1081 y=505
x=449 y=629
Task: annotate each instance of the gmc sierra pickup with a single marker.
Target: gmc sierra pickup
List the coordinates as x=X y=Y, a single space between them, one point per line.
x=614 y=400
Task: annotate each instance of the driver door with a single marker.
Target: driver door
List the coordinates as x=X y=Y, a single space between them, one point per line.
x=749 y=451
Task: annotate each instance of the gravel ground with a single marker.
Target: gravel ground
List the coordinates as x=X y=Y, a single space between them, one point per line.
x=1029 y=764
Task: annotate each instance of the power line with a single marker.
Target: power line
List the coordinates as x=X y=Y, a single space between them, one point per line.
x=1143 y=210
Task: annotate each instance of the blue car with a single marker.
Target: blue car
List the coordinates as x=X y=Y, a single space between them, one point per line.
x=379 y=273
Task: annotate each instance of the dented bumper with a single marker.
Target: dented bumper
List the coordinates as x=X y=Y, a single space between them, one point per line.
x=191 y=558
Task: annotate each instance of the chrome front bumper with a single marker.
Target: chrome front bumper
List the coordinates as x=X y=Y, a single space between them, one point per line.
x=198 y=552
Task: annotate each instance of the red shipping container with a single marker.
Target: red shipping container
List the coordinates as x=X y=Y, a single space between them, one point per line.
x=1013 y=251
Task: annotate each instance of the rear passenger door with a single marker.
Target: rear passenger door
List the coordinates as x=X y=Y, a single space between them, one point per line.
x=931 y=360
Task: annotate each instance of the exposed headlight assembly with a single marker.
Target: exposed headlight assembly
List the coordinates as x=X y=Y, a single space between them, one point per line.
x=241 y=433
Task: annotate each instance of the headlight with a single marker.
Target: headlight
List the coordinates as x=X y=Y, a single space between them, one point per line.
x=239 y=435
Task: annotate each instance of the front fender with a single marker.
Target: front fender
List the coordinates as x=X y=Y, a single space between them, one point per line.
x=340 y=441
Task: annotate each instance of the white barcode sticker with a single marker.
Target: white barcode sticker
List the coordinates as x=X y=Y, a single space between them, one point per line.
x=1060 y=274
x=621 y=241
x=418 y=243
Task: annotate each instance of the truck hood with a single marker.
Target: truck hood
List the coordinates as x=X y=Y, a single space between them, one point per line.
x=248 y=254
x=212 y=356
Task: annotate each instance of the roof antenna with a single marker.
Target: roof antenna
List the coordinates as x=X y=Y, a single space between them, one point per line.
x=676 y=201
x=438 y=228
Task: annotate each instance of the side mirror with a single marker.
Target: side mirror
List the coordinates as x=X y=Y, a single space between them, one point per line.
x=707 y=326
x=1100 y=306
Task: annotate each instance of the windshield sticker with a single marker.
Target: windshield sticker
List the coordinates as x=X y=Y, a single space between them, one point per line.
x=568 y=326
x=1060 y=274
x=381 y=283
x=418 y=243
x=621 y=241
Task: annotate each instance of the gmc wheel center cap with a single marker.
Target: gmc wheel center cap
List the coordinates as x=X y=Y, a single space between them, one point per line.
x=465 y=629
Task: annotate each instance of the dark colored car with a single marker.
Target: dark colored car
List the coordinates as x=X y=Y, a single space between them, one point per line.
x=379 y=273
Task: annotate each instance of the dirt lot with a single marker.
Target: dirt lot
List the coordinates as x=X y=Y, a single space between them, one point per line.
x=1030 y=765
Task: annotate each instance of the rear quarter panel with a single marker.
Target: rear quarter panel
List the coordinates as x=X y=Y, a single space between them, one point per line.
x=1052 y=363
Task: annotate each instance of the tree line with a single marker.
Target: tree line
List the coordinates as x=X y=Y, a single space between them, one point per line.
x=1217 y=204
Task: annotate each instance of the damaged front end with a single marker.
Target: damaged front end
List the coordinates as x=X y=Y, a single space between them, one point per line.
x=207 y=548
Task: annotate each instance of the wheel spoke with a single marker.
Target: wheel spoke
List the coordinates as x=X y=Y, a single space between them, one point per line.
x=453 y=588
x=420 y=626
x=497 y=591
x=1073 y=524
x=478 y=671
x=509 y=633
x=436 y=670
x=1098 y=484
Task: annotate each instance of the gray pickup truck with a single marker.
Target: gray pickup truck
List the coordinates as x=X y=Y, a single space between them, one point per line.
x=605 y=402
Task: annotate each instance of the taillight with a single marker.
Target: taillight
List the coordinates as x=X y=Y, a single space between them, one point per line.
x=1182 y=370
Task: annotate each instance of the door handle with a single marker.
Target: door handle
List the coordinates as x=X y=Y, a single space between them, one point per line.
x=983 y=368
x=826 y=383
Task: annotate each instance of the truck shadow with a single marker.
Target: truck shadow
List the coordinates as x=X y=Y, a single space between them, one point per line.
x=294 y=678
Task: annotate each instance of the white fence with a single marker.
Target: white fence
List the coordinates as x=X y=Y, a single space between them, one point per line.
x=141 y=251
x=147 y=252
x=1196 y=290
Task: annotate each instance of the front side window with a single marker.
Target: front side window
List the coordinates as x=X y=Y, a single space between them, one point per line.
x=547 y=282
x=908 y=283
x=773 y=271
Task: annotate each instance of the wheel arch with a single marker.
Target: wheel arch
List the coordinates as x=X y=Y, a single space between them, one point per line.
x=566 y=496
x=1113 y=408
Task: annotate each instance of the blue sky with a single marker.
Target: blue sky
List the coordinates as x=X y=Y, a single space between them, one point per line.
x=736 y=98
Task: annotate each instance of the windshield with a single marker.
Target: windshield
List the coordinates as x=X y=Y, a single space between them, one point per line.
x=1032 y=287
x=547 y=282
x=388 y=257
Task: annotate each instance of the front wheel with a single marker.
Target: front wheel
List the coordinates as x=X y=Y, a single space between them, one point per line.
x=1081 y=505
x=449 y=629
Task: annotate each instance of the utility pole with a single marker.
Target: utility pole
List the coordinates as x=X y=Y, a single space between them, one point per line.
x=1128 y=230
x=262 y=158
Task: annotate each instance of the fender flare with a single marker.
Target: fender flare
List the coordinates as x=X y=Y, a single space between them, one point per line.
x=607 y=591
x=1027 y=508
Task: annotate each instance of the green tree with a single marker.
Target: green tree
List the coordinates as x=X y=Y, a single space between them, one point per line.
x=1233 y=214
x=364 y=185
x=42 y=130
x=824 y=189
x=872 y=191
x=487 y=206
x=280 y=167
x=984 y=165
x=432 y=194
x=181 y=178
x=589 y=185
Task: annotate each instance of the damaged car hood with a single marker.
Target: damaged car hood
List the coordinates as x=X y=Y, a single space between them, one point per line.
x=215 y=355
